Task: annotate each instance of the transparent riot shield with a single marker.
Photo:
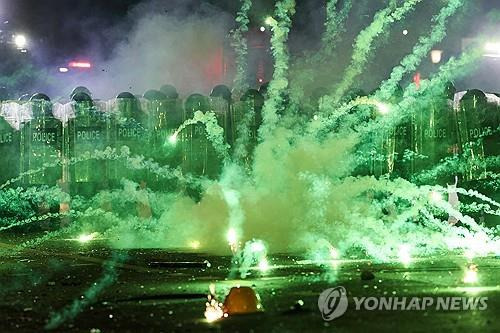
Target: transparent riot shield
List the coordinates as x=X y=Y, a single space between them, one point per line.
x=10 y=150
x=164 y=116
x=246 y=118
x=434 y=136
x=41 y=146
x=194 y=141
x=86 y=133
x=472 y=130
x=220 y=104
x=129 y=135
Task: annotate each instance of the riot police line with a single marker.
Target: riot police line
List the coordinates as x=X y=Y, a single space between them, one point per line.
x=41 y=140
x=36 y=132
x=464 y=124
x=455 y=137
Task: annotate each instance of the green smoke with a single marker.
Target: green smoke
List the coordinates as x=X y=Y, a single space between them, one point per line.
x=280 y=27
x=334 y=25
x=240 y=45
x=306 y=69
x=364 y=44
x=302 y=193
x=215 y=133
x=109 y=276
x=454 y=68
x=421 y=49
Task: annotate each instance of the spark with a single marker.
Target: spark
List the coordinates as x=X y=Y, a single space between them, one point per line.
x=232 y=239
x=435 y=196
x=213 y=310
x=173 y=139
x=404 y=254
x=471 y=274
x=334 y=253
x=263 y=265
x=85 y=238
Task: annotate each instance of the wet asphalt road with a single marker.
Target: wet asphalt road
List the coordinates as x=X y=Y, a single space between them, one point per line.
x=37 y=283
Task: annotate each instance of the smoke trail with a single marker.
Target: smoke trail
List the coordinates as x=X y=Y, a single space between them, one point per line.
x=304 y=70
x=363 y=46
x=240 y=152
x=134 y=162
x=232 y=198
x=215 y=133
x=334 y=24
x=280 y=27
x=474 y=193
x=42 y=239
x=454 y=68
x=90 y=295
x=240 y=45
x=330 y=22
x=421 y=49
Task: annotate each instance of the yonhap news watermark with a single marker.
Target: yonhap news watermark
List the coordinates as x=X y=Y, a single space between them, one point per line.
x=333 y=303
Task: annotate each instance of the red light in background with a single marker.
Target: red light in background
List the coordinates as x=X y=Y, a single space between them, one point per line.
x=79 y=64
x=416 y=79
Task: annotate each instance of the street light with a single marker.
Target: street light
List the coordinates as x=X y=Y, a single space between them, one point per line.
x=20 y=41
x=492 y=49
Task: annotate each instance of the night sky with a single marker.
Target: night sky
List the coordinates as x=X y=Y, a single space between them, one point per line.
x=63 y=28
